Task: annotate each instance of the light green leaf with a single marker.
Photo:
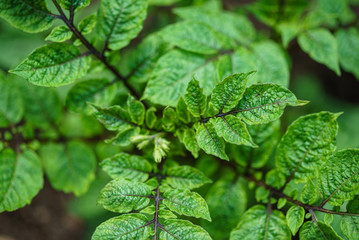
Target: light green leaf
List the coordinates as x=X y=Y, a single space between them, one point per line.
x=195 y=37
x=128 y=167
x=162 y=212
x=226 y=94
x=119 y=21
x=123 y=138
x=74 y=4
x=97 y=91
x=209 y=141
x=190 y=142
x=59 y=34
x=185 y=177
x=20 y=180
x=321 y=45
x=288 y=31
x=317 y=231
x=350 y=224
x=123 y=196
x=195 y=99
x=54 y=65
x=328 y=218
x=332 y=6
x=87 y=24
x=233 y=130
x=348 y=48
x=136 y=110
x=263 y=103
x=223 y=67
x=281 y=203
x=184 y=230
x=67 y=164
x=182 y=111
x=169 y=119
x=295 y=218
x=339 y=177
x=187 y=203
x=307 y=143
x=29 y=15
x=151 y=117
x=310 y=193
x=124 y=227
x=256 y=224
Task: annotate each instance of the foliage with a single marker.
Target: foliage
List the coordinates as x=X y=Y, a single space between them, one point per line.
x=199 y=98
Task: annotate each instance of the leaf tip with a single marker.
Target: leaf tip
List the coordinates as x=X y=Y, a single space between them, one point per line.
x=302 y=102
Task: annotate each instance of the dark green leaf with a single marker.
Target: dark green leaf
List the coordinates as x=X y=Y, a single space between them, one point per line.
x=184 y=230
x=195 y=100
x=317 y=231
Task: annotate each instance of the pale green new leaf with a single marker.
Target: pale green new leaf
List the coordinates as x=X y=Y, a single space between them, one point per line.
x=317 y=231
x=348 y=48
x=195 y=100
x=307 y=143
x=226 y=94
x=185 y=202
x=124 y=227
x=29 y=15
x=21 y=178
x=233 y=130
x=59 y=34
x=119 y=21
x=87 y=24
x=209 y=141
x=128 y=167
x=256 y=224
x=321 y=45
x=182 y=111
x=339 y=177
x=263 y=103
x=185 y=177
x=74 y=4
x=190 y=141
x=124 y=137
x=184 y=230
x=151 y=117
x=97 y=91
x=350 y=224
x=295 y=218
x=67 y=164
x=136 y=110
x=123 y=196
x=54 y=65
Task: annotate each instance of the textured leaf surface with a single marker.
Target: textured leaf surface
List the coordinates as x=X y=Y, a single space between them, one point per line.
x=87 y=24
x=350 y=224
x=114 y=118
x=186 y=203
x=54 y=65
x=190 y=142
x=319 y=231
x=59 y=34
x=195 y=99
x=123 y=196
x=348 y=48
x=295 y=218
x=29 y=15
x=136 y=110
x=119 y=21
x=128 y=167
x=186 y=177
x=184 y=230
x=74 y=4
x=209 y=141
x=124 y=227
x=339 y=177
x=321 y=45
x=123 y=138
x=66 y=165
x=307 y=143
x=21 y=179
x=253 y=225
x=263 y=103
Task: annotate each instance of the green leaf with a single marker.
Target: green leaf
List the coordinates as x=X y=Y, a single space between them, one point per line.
x=59 y=34
x=332 y=6
x=28 y=15
x=328 y=218
x=190 y=142
x=97 y=91
x=20 y=180
x=321 y=45
x=114 y=118
x=227 y=201
x=187 y=203
x=195 y=100
x=233 y=130
x=195 y=37
x=54 y=65
x=348 y=48
x=162 y=212
x=74 y=4
x=226 y=94
x=184 y=230
x=265 y=57
x=67 y=164
x=119 y=21
x=172 y=73
x=151 y=117
x=317 y=231
x=185 y=177
x=182 y=111
x=339 y=177
x=350 y=224
x=310 y=193
x=123 y=138
x=295 y=218
x=128 y=167
x=136 y=110
x=87 y=24
x=257 y=224
x=169 y=119
x=122 y=196
x=307 y=143
x=209 y=141
x=127 y=226
x=263 y=103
